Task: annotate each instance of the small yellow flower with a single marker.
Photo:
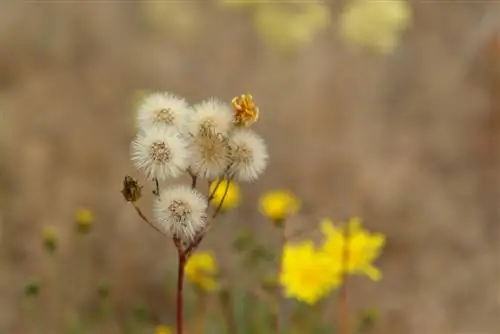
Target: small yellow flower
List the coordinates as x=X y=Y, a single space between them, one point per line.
x=232 y=198
x=363 y=247
x=238 y=3
x=84 y=219
x=277 y=205
x=246 y=111
x=162 y=329
x=201 y=269
x=50 y=238
x=307 y=274
x=374 y=24
x=290 y=28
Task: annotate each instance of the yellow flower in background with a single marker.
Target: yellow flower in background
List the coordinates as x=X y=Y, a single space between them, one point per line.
x=84 y=219
x=162 y=329
x=238 y=3
x=363 y=247
x=201 y=269
x=232 y=198
x=374 y=24
x=277 y=205
x=307 y=274
x=182 y=20
x=288 y=28
x=50 y=238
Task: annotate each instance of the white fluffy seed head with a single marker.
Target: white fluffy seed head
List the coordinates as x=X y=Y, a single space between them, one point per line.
x=209 y=155
x=180 y=211
x=160 y=153
x=248 y=155
x=163 y=109
x=211 y=115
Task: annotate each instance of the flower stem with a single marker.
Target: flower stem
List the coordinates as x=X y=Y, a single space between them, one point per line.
x=344 y=308
x=180 y=288
x=279 y=301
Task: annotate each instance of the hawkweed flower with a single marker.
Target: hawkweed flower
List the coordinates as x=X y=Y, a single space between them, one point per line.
x=225 y=193
x=211 y=115
x=210 y=154
x=374 y=24
x=160 y=153
x=201 y=270
x=163 y=109
x=277 y=205
x=84 y=219
x=50 y=238
x=162 y=329
x=307 y=274
x=180 y=212
x=363 y=247
x=248 y=154
x=246 y=112
x=288 y=29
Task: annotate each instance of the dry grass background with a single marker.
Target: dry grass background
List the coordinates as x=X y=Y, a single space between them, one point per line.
x=400 y=140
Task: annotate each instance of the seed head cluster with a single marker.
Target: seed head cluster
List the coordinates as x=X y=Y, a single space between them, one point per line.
x=209 y=140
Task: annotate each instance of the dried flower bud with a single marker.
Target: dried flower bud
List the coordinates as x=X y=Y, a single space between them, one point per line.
x=131 y=191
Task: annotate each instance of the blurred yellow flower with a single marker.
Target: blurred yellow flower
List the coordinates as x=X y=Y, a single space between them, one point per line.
x=182 y=21
x=288 y=28
x=238 y=3
x=162 y=329
x=232 y=198
x=84 y=219
x=277 y=205
x=307 y=274
x=201 y=269
x=50 y=238
x=363 y=247
x=374 y=24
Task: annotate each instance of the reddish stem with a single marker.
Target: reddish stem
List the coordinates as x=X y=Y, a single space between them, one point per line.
x=180 y=288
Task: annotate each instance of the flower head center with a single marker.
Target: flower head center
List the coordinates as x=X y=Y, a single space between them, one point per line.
x=180 y=210
x=160 y=152
x=242 y=155
x=164 y=116
x=207 y=126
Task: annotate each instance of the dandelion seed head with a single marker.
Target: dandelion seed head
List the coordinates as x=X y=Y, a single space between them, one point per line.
x=210 y=155
x=248 y=154
x=160 y=153
x=180 y=211
x=163 y=109
x=211 y=115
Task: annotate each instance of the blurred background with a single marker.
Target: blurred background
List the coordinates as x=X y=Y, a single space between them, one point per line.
x=406 y=137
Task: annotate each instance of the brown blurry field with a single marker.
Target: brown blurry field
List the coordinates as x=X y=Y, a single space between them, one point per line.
x=410 y=142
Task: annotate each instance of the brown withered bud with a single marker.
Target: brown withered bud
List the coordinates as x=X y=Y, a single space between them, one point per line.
x=131 y=191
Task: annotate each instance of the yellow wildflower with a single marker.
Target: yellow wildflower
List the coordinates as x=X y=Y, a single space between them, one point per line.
x=246 y=111
x=307 y=274
x=374 y=24
x=291 y=27
x=232 y=198
x=50 y=238
x=162 y=329
x=363 y=247
x=84 y=219
x=201 y=269
x=277 y=205
x=238 y=3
